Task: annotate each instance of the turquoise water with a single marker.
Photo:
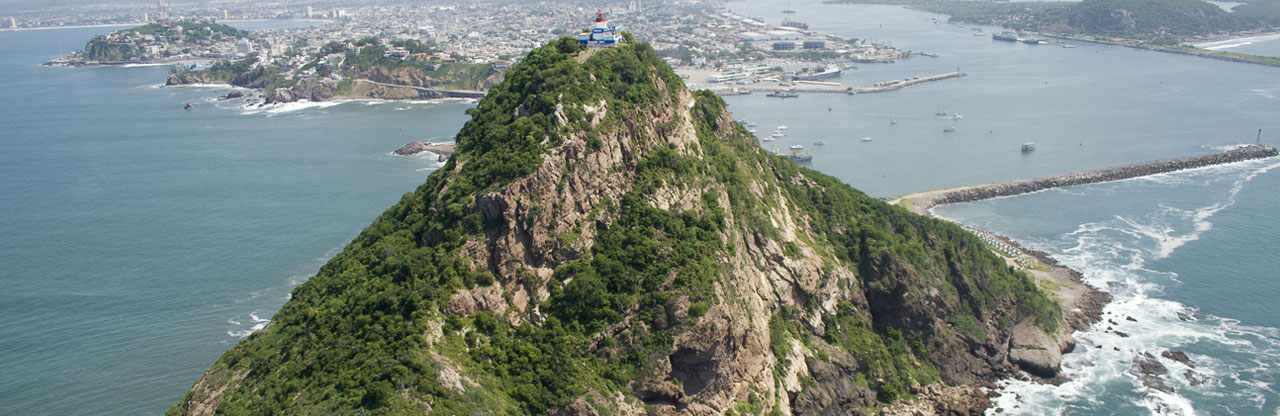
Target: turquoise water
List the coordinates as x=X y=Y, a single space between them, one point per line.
x=139 y=241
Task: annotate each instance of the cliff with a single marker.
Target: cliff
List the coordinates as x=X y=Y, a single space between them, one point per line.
x=605 y=241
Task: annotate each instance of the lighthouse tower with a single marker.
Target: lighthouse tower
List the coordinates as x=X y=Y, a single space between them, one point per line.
x=601 y=33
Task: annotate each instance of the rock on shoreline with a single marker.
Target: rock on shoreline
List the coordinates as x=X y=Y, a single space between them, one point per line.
x=445 y=150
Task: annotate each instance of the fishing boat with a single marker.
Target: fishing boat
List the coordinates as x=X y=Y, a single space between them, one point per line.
x=1028 y=147
x=783 y=94
x=797 y=147
x=796 y=156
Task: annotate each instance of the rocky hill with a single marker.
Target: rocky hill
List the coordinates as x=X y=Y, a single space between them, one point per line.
x=605 y=241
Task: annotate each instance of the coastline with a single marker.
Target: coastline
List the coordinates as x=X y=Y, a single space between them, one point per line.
x=1183 y=49
x=1081 y=304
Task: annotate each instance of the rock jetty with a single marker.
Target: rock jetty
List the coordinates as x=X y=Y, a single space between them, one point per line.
x=921 y=202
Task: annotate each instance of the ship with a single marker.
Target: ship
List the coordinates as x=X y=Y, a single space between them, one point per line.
x=795 y=24
x=783 y=94
x=796 y=156
x=1028 y=146
x=1006 y=36
x=828 y=72
x=600 y=34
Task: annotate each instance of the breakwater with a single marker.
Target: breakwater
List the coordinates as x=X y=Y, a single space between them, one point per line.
x=921 y=202
x=895 y=85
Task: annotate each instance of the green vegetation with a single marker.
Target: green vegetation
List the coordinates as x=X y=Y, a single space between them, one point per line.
x=894 y=361
x=368 y=333
x=127 y=45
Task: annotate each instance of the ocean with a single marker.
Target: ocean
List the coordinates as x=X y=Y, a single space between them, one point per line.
x=139 y=241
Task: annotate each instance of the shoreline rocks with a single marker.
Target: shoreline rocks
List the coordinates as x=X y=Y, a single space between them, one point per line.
x=445 y=150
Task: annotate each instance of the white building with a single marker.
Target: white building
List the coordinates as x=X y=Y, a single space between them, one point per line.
x=243 y=46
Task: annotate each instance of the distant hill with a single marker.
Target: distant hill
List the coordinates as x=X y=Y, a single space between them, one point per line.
x=1157 y=20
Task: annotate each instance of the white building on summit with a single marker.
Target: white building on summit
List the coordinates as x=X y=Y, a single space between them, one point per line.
x=601 y=34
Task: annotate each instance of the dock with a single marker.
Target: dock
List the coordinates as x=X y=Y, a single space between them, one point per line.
x=895 y=85
x=921 y=202
x=828 y=87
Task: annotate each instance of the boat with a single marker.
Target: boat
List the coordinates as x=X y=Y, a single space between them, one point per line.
x=893 y=122
x=797 y=147
x=188 y=106
x=828 y=72
x=1068 y=45
x=1034 y=41
x=929 y=54
x=949 y=130
x=956 y=116
x=752 y=124
x=941 y=114
x=1007 y=36
x=778 y=133
x=866 y=139
x=1028 y=146
x=819 y=143
x=768 y=139
x=788 y=11
x=796 y=156
x=782 y=127
x=783 y=94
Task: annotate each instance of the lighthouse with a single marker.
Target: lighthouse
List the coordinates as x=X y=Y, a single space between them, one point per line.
x=600 y=34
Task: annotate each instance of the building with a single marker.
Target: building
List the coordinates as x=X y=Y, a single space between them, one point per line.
x=784 y=46
x=815 y=44
x=243 y=46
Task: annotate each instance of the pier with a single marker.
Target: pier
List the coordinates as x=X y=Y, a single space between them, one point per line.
x=828 y=87
x=895 y=85
x=921 y=202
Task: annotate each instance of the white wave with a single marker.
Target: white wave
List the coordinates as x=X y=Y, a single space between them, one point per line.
x=202 y=86
x=254 y=316
x=1112 y=254
x=285 y=108
x=233 y=322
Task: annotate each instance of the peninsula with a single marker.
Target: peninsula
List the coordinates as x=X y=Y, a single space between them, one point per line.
x=605 y=241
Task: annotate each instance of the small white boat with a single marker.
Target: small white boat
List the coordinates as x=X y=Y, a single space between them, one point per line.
x=777 y=134
x=782 y=127
x=893 y=122
x=796 y=147
x=866 y=139
x=819 y=143
x=956 y=116
x=767 y=139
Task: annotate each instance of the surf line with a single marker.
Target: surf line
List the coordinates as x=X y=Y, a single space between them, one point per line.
x=922 y=202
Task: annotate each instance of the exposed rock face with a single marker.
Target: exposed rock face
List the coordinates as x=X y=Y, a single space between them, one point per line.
x=800 y=293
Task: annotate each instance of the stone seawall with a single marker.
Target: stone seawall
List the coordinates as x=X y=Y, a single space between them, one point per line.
x=921 y=202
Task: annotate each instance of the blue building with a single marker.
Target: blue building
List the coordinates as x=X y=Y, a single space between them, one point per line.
x=601 y=33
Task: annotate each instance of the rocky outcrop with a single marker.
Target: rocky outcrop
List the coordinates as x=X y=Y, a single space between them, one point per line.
x=310 y=90
x=804 y=295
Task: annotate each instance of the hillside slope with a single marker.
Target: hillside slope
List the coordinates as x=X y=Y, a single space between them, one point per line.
x=607 y=242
